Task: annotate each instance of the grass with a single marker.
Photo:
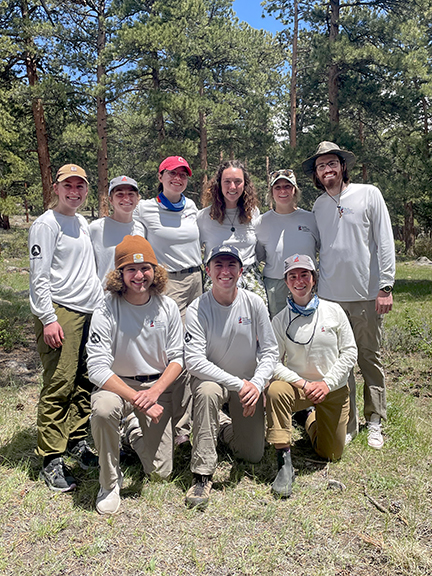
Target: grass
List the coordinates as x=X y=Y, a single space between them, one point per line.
x=321 y=530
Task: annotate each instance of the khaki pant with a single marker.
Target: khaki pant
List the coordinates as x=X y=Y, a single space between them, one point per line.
x=183 y=288
x=326 y=425
x=64 y=404
x=277 y=293
x=245 y=436
x=153 y=444
x=367 y=328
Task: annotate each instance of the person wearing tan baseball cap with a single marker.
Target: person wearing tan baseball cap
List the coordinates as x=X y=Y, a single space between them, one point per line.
x=357 y=270
x=64 y=291
x=316 y=353
x=135 y=355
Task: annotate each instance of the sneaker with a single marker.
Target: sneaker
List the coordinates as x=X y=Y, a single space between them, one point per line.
x=84 y=455
x=108 y=501
x=57 y=476
x=282 y=485
x=375 y=437
x=199 y=493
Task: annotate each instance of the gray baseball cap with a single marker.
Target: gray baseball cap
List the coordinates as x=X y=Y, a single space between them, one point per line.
x=299 y=261
x=120 y=180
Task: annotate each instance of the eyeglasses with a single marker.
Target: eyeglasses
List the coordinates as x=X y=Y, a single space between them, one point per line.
x=332 y=164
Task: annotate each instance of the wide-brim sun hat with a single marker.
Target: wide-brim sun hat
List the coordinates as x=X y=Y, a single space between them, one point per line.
x=328 y=148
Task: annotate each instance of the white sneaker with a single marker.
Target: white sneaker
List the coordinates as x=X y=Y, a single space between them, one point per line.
x=348 y=438
x=108 y=501
x=375 y=437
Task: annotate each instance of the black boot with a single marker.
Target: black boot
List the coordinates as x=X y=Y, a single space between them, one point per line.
x=282 y=485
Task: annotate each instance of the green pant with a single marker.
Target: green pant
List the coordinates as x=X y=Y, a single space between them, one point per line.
x=326 y=425
x=64 y=404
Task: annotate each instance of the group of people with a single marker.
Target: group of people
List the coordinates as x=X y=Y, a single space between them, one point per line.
x=162 y=363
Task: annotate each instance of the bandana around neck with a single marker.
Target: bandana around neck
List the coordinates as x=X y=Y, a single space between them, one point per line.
x=307 y=310
x=176 y=207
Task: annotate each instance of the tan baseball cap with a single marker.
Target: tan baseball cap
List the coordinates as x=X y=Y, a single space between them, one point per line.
x=69 y=170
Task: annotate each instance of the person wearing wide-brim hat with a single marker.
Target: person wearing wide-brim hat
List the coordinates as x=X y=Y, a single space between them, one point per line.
x=281 y=231
x=135 y=355
x=357 y=269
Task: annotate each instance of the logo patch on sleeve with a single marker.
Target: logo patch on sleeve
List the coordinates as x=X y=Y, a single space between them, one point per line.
x=187 y=337
x=35 y=250
x=95 y=338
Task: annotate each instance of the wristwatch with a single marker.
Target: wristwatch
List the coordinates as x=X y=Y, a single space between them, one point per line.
x=387 y=289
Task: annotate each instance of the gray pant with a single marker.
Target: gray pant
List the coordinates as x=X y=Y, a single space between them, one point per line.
x=245 y=436
x=277 y=293
x=367 y=328
x=154 y=446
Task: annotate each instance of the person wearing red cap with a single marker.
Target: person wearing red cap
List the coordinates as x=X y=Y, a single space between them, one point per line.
x=170 y=224
x=135 y=355
x=64 y=291
x=107 y=232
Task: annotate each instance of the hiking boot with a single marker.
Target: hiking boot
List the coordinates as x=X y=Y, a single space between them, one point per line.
x=199 y=493
x=282 y=485
x=57 y=476
x=83 y=454
x=375 y=437
x=108 y=501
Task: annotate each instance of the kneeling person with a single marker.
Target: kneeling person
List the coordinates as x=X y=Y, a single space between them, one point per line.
x=135 y=353
x=317 y=344
x=231 y=352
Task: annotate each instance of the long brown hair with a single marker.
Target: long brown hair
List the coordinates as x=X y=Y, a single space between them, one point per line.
x=246 y=204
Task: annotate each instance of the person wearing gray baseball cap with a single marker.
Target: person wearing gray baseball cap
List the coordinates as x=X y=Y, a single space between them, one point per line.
x=282 y=230
x=316 y=353
x=106 y=233
x=357 y=270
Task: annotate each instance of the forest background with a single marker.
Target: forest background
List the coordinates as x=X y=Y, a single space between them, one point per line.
x=115 y=86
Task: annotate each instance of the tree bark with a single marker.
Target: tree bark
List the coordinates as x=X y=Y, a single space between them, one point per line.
x=203 y=140
x=409 y=232
x=333 y=87
x=38 y=111
x=293 y=132
x=101 y=116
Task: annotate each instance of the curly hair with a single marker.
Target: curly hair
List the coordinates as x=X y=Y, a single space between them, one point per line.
x=345 y=176
x=246 y=204
x=115 y=283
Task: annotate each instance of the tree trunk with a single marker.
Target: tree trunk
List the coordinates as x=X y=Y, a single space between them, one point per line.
x=333 y=88
x=293 y=132
x=409 y=233
x=203 y=141
x=101 y=115
x=159 y=121
x=38 y=111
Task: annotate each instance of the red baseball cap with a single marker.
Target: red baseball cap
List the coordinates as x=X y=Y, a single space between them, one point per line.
x=173 y=162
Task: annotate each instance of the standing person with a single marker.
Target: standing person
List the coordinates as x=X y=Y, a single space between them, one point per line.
x=170 y=224
x=64 y=291
x=283 y=230
x=357 y=270
x=231 y=352
x=316 y=353
x=230 y=219
x=107 y=232
x=135 y=355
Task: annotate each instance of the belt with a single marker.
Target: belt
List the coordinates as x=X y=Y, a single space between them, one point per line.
x=186 y=270
x=143 y=378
